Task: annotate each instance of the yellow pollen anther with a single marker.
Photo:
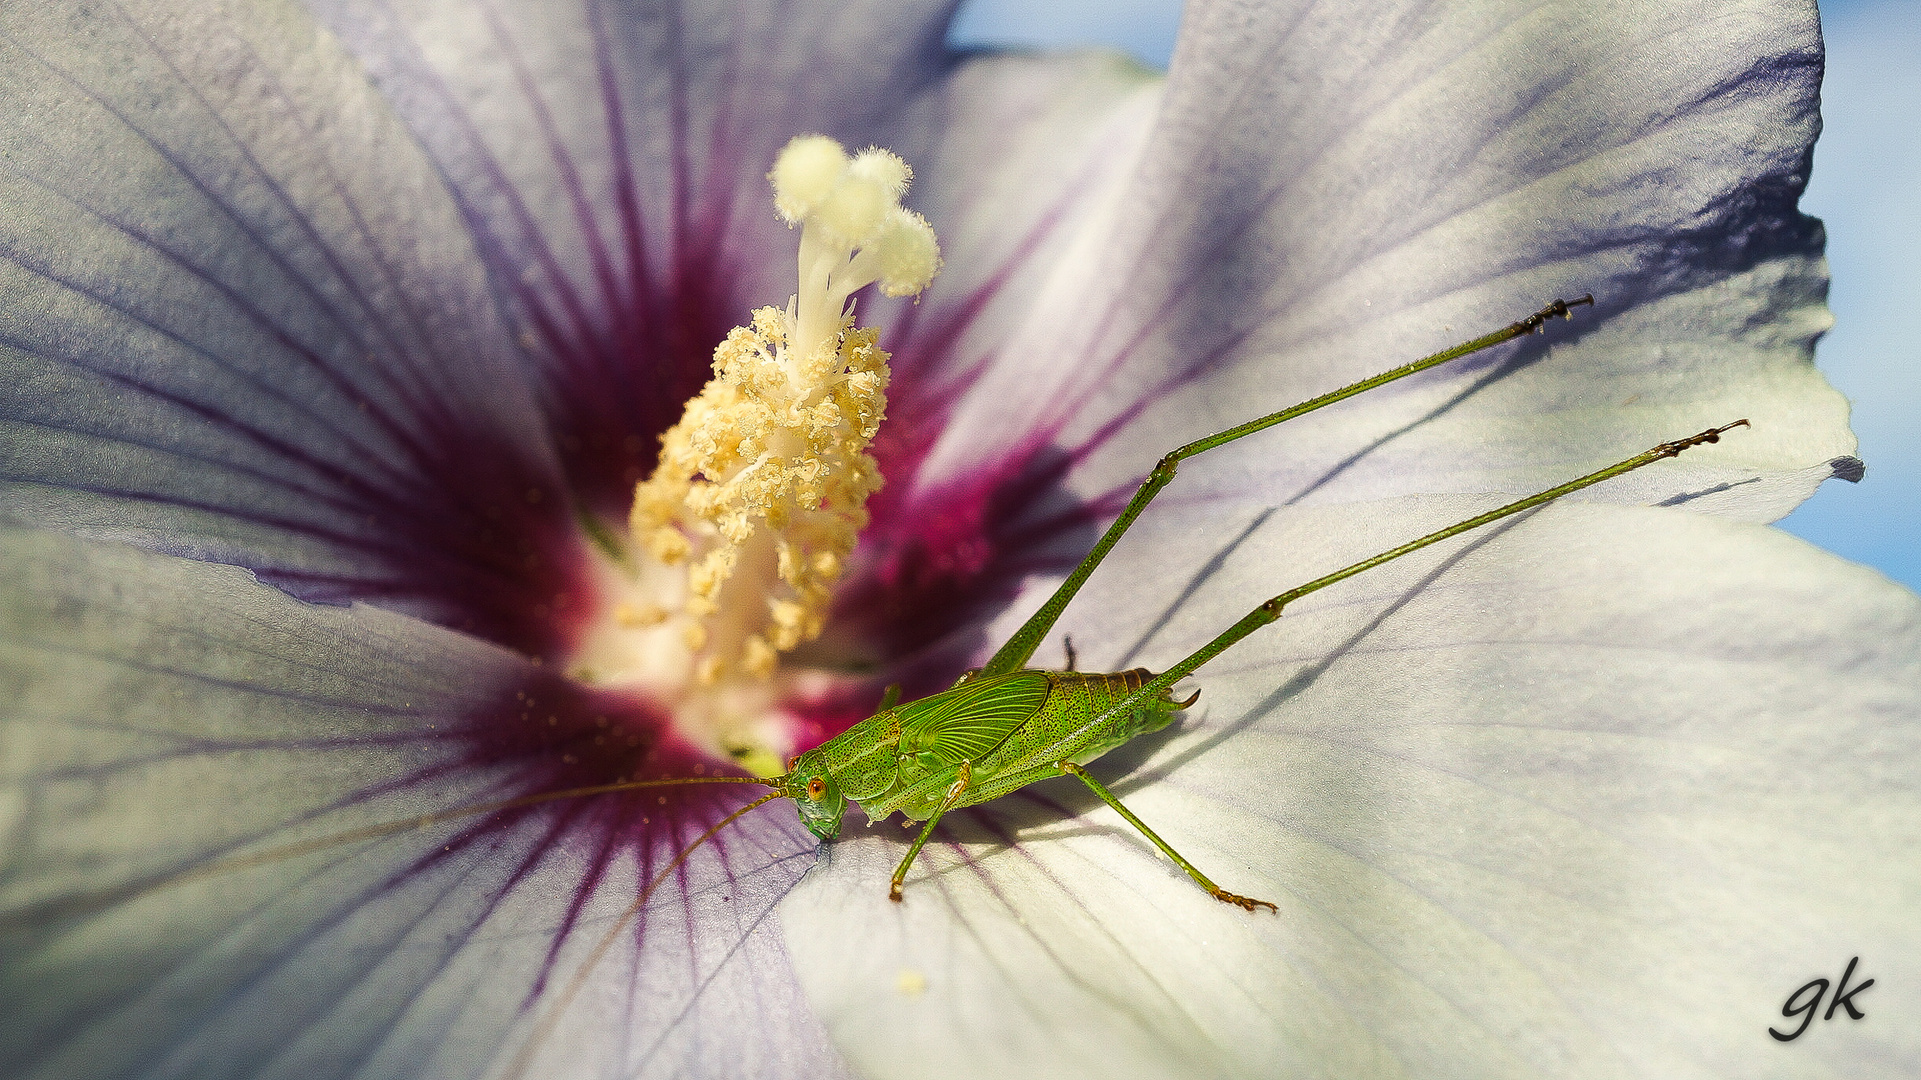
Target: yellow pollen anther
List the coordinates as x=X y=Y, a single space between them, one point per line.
x=761 y=489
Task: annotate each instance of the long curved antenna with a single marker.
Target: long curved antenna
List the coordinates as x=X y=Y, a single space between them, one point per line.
x=389 y=828
x=86 y=903
x=545 y=1027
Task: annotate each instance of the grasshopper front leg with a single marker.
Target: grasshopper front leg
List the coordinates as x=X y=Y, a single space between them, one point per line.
x=962 y=781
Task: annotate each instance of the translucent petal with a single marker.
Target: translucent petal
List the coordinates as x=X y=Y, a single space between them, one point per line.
x=1589 y=797
x=244 y=321
x=187 y=757
x=1330 y=191
x=616 y=154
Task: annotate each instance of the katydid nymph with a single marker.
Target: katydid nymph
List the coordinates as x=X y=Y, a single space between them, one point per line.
x=1004 y=725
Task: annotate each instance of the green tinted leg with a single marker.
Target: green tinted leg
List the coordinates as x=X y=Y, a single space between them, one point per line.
x=1020 y=648
x=1213 y=890
x=953 y=796
x=1159 y=685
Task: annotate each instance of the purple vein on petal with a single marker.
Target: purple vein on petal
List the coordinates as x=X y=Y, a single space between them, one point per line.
x=452 y=943
x=394 y=505
x=709 y=207
x=428 y=81
x=607 y=847
x=680 y=193
x=369 y=959
x=241 y=304
x=392 y=427
x=625 y=303
x=565 y=345
x=602 y=268
x=610 y=826
x=736 y=944
x=342 y=274
x=286 y=450
x=679 y=318
x=416 y=541
x=625 y=193
x=535 y=852
x=213 y=418
x=495 y=248
x=448 y=569
x=263 y=569
x=286 y=947
x=609 y=443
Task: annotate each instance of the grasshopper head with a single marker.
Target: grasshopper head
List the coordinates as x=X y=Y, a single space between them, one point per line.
x=815 y=794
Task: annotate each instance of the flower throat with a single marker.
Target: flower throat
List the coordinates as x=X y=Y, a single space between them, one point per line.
x=760 y=490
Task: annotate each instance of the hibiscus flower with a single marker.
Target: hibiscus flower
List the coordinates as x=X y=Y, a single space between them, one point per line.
x=337 y=338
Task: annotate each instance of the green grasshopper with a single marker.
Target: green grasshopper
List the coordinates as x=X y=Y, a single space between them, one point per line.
x=1004 y=726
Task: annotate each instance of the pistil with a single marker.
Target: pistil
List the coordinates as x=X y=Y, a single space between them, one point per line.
x=760 y=490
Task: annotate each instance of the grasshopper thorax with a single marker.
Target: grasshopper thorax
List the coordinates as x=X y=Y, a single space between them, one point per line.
x=815 y=795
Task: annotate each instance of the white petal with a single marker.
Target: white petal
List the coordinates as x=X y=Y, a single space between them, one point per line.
x=1332 y=191
x=171 y=727
x=1589 y=797
x=581 y=134
x=1864 y=165
x=1018 y=162
x=243 y=320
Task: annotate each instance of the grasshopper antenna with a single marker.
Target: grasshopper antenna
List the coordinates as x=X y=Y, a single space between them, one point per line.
x=1020 y=647
x=105 y=898
x=545 y=1027
x=390 y=828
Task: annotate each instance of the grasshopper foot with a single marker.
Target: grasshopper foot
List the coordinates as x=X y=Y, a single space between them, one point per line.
x=893 y=891
x=1246 y=902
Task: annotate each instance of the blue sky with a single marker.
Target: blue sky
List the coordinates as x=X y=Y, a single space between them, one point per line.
x=1864 y=175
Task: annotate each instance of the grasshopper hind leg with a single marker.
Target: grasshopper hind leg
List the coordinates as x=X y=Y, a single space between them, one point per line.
x=1271 y=609
x=1245 y=902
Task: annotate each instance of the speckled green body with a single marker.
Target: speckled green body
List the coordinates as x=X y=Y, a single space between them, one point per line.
x=1002 y=732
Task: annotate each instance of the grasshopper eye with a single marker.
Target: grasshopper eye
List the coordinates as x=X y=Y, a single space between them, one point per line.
x=816 y=787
